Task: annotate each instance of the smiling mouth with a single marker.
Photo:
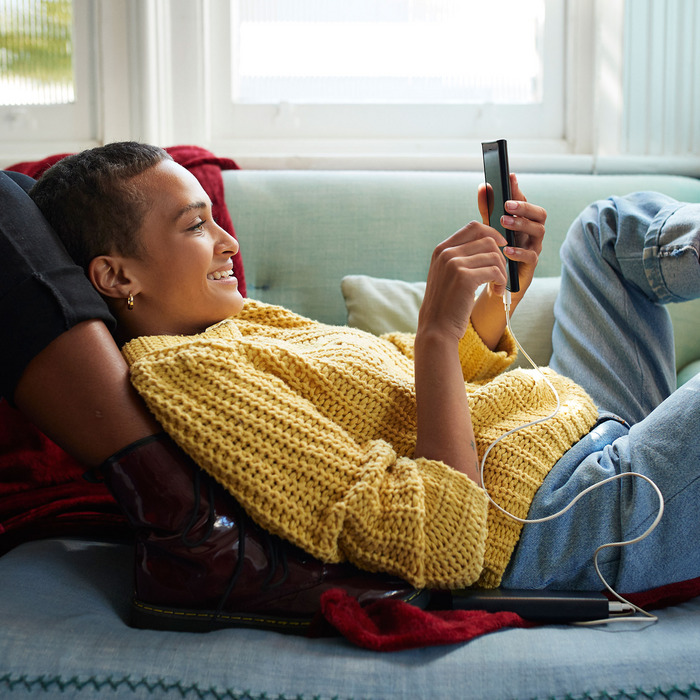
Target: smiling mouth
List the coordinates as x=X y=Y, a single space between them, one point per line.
x=220 y=275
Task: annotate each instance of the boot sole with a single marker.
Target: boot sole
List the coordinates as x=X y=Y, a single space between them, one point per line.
x=146 y=616
x=153 y=617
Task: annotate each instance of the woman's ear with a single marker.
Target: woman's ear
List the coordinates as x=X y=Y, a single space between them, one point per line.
x=111 y=277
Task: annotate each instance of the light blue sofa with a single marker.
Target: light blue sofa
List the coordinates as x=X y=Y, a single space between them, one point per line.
x=63 y=602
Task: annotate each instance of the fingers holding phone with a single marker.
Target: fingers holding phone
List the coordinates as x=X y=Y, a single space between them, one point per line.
x=526 y=221
x=461 y=264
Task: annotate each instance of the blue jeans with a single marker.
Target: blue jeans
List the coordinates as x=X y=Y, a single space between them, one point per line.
x=622 y=260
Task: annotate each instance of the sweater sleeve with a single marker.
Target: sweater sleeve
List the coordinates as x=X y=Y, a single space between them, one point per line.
x=302 y=476
x=479 y=363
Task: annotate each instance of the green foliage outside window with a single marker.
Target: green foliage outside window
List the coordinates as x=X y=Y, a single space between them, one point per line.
x=36 y=43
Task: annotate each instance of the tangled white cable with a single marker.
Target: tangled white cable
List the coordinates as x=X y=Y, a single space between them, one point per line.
x=646 y=616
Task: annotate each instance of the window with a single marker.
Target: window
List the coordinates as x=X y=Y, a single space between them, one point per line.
x=394 y=52
x=46 y=72
x=367 y=83
x=36 y=58
x=400 y=74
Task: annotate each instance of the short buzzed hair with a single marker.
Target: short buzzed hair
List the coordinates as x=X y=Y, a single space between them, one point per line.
x=91 y=203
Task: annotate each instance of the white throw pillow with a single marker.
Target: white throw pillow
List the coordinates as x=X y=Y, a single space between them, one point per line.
x=383 y=305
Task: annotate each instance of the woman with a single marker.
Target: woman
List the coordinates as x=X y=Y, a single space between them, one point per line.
x=390 y=502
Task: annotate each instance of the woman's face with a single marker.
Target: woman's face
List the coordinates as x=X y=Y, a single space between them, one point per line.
x=183 y=281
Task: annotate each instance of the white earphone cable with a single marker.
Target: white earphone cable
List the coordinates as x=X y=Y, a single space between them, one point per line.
x=647 y=617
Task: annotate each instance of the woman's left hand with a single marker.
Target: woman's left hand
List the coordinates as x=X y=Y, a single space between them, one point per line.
x=527 y=223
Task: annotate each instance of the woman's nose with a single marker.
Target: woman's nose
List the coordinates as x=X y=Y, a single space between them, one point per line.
x=226 y=241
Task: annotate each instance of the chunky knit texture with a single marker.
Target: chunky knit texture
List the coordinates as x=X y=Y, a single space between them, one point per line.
x=312 y=428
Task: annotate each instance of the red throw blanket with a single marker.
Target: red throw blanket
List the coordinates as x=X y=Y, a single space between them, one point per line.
x=42 y=490
x=392 y=625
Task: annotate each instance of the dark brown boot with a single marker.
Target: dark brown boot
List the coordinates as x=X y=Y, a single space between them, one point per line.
x=201 y=562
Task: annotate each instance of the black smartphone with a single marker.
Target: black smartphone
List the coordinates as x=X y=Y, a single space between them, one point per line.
x=497 y=175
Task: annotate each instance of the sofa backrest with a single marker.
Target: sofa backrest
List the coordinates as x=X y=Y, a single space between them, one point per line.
x=302 y=231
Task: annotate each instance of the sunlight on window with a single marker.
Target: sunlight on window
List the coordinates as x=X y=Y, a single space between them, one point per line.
x=36 y=52
x=398 y=51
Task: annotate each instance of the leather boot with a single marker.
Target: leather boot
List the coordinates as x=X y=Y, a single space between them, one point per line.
x=201 y=562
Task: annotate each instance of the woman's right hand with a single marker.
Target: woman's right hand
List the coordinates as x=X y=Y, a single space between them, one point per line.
x=459 y=266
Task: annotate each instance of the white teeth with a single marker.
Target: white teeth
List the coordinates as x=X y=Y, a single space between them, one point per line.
x=220 y=275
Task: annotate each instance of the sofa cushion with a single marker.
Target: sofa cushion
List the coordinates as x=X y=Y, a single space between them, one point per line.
x=688 y=372
x=63 y=634
x=382 y=305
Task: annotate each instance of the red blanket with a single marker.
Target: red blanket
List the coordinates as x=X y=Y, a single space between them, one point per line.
x=392 y=625
x=42 y=492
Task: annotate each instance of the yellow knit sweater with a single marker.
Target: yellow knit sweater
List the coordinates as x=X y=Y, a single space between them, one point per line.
x=312 y=428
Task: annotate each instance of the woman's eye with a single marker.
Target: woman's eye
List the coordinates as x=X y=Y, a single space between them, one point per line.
x=198 y=227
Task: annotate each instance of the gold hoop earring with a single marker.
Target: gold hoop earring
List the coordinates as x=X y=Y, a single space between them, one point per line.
x=130 y=301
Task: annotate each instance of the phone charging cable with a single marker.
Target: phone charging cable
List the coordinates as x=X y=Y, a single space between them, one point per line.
x=647 y=617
